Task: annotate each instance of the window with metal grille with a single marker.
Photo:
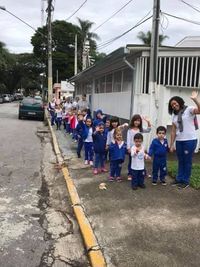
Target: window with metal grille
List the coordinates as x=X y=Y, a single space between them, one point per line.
x=179 y=71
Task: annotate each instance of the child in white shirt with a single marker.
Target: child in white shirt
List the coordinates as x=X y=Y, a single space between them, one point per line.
x=138 y=156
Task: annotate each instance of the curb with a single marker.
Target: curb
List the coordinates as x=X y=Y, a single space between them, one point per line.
x=93 y=249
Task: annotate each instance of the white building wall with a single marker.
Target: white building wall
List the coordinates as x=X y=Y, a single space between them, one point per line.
x=115 y=104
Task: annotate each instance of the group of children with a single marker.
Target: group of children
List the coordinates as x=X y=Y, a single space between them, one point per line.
x=102 y=139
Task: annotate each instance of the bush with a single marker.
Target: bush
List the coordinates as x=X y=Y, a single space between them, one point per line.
x=195 y=176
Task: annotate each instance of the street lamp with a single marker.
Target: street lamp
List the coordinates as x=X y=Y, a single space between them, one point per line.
x=4 y=9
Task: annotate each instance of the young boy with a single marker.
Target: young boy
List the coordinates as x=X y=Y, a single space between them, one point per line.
x=79 y=133
x=158 y=149
x=138 y=156
x=99 y=142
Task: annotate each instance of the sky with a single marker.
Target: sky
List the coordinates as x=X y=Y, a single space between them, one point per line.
x=17 y=35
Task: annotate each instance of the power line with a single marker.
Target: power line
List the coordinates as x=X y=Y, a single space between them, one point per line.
x=76 y=10
x=103 y=45
x=187 y=20
x=118 y=37
x=162 y=22
x=193 y=7
x=113 y=15
x=3 y=8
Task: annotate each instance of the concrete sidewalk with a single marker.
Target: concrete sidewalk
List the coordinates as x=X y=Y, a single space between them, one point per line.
x=156 y=226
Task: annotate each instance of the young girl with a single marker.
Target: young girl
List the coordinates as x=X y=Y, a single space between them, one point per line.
x=135 y=127
x=117 y=150
x=58 y=116
x=138 y=156
x=73 y=123
x=114 y=123
x=88 y=141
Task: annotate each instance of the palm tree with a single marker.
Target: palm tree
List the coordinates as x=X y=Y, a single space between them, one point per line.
x=84 y=30
x=84 y=33
x=146 y=38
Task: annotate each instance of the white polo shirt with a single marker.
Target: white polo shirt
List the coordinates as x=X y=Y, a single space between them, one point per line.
x=189 y=132
x=137 y=158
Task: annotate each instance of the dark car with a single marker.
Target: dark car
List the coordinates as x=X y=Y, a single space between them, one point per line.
x=31 y=107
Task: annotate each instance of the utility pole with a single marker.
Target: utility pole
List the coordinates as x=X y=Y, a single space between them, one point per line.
x=153 y=87
x=75 y=55
x=154 y=42
x=50 y=77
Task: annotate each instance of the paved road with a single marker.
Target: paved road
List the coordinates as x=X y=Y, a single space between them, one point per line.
x=37 y=226
x=156 y=226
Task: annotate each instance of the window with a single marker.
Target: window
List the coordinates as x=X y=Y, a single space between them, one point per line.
x=127 y=79
x=109 y=83
x=179 y=71
x=97 y=86
x=117 y=81
x=102 y=84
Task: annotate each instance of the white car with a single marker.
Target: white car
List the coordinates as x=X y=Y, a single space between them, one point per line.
x=6 y=98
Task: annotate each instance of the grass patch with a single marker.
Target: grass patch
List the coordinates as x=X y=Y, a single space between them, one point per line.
x=195 y=176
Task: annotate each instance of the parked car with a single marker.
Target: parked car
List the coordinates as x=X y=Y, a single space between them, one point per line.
x=18 y=96
x=1 y=99
x=11 y=97
x=31 y=107
x=6 y=98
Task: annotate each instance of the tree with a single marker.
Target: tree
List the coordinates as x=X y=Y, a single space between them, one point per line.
x=84 y=33
x=63 y=40
x=27 y=71
x=84 y=27
x=146 y=38
x=7 y=61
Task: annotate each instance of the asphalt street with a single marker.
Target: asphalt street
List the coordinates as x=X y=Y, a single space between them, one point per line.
x=156 y=226
x=37 y=224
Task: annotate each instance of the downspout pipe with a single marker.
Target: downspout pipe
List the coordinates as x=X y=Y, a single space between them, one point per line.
x=132 y=86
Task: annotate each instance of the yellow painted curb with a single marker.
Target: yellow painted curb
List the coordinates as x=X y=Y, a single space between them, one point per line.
x=55 y=143
x=96 y=258
x=94 y=252
x=71 y=188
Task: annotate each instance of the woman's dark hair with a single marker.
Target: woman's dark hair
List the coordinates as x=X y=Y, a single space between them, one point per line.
x=179 y=100
x=135 y=118
x=138 y=136
x=113 y=119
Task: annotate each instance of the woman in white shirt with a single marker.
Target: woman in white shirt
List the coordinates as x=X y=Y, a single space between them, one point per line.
x=183 y=132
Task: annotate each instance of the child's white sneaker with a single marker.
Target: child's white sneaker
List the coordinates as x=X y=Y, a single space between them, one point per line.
x=86 y=162
x=91 y=163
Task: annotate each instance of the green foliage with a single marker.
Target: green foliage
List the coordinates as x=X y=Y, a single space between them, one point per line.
x=195 y=176
x=2 y=88
x=146 y=38
x=63 y=40
x=23 y=70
